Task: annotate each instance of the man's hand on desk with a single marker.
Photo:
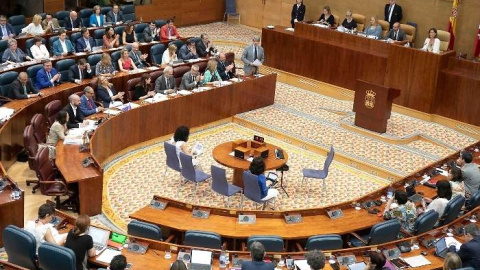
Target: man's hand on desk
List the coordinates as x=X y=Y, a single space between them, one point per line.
x=100 y=109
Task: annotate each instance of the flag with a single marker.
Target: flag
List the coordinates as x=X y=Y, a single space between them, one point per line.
x=452 y=24
x=476 y=47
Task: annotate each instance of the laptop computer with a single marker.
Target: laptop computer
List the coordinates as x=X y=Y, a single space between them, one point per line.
x=200 y=260
x=416 y=198
x=441 y=248
x=100 y=238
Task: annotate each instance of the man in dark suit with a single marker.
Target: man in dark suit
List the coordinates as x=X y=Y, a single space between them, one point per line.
x=115 y=16
x=188 y=51
x=21 y=88
x=6 y=29
x=75 y=115
x=73 y=23
x=397 y=35
x=86 y=42
x=150 y=33
x=298 y=12
x=80 y=71
x=224 y=68
x=393 y=12
x=257 y=252
x=138 y=58
x=191 y=79
x=47 y=76
x=165 y=84
x=469 y=252
x=203 y=46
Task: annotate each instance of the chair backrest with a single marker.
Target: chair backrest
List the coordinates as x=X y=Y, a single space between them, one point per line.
x=425 y=222
x=144 y=230
x=130 y=93
x=203 y=239
x=409 y=31
x=230 y=7
x=385 y=27
x=384 y=232
x=219 y=180
x=115 y=56
x=3 y=46
x=52 y=40
x=128 y=12
x=251 y=189
x=93 y=60
x=119 y=30
x=453 y=208
x=272 y=243
x=6 y=79
x=154 y=75
x=178 y=73
x=444 y=37
x=98 y=36
x=474 y=201
x=32 y=73
x=202 y=66
x=139 y=27
x=62 y=17
x=156 y=53
x=105 y=10
x=39 y=127
x=188 y=170
x=62 y=67
x=43 y=166
x=172 y=158
x=20 y=246
x=30 y=144
x=74 y=37
x=54 y=257
x=179 y=43
x=17 y=22
x=324 y=242
x=360 y=20
x=51 y=110
x=336 y=20
x=84 y=14
x=160 y=23
x=328 y=160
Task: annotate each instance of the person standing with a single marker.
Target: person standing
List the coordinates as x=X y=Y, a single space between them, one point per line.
x=250 y=54
x=298 y=12
x=393 y=12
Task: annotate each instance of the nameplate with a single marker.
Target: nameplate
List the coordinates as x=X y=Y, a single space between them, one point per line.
x=334 y=214
x=196 y=213
x=346 y=259
x=247 y=219
x=392 y=253
x=158 y=205
x=292 y=219
x=138 y=247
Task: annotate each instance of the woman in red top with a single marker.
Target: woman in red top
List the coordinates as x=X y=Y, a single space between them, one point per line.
x=125 y=63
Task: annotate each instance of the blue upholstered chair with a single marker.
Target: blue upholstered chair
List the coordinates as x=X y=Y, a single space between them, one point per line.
x=221 y=185
x=190 y=173
x=85 y=14
x=6 y=80
x=52 y=40
x=251 y=189
x=272 y=243
x=156 y=53
x=54 y=257
x=324 y=242
x=452 y=210
x=74 y=37
x=474 y=201
x=425 y=222
x=179 y=43
x=144 y=230
x=32 y=73
x=115 y=56
x=160 y=23
x=105 y=10
x=128 y=12
x=172 y=158
x=98 y=36
x=139 y=27
x=3 y=46
x=119 y=30
x=20 y=246
x=62 y=16
x=62 y=67
x=380 y=233
x=230 y=10
x=17 y=22
x=320 y=174
x=203 y=239
x=93 y=59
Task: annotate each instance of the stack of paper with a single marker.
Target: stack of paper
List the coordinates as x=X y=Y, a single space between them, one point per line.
x=112 y=112
x=302 y=264
x=417 y=261
x=107 y=255
x=184 y=92
x=6 y=113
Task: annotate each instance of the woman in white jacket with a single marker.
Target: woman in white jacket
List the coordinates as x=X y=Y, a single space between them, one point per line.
x=432 y=43
x=38 y=50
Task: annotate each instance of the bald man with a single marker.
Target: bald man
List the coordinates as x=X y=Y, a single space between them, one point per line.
x=397 y=35
x=75 y=115
x=224 y=68
x=73 y=23
x=22 y=88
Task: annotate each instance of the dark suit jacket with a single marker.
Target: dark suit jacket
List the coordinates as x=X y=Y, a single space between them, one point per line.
x=76 y=23
x=221 y=69
x=396 y=15
x=74 y=73
x=252 y=265
x=42 y=78
x=401 y=36
x=297 y=13
x=147 y=34
x=17 y=90
x=111 y=17
x=103 y=95
x=201 y=49
x=82 y=45
x=470 y=253
x=136 y=59
x=185 y=54
x=73 y=121
x=187 y=82
x=161 y=85
x=9 y=29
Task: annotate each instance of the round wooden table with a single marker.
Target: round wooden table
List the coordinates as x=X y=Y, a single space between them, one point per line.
x=221 y=154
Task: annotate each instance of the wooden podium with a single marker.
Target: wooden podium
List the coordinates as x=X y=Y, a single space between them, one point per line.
x=373 y=105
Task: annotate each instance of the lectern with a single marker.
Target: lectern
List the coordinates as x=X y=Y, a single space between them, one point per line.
x=373 y=105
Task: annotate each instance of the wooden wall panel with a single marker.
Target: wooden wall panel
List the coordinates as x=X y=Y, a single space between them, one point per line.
x=52 y=6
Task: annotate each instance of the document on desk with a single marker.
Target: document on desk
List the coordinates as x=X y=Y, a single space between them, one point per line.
x=257 y=63
x=112 y=112
x=6 y=113
x=451 y=241
x=73 y=139
x=302 y=264
x=107 y=255
x=184 y=92
x=417 y=261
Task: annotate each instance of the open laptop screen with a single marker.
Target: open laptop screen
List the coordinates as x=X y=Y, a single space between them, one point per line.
x=99 y=236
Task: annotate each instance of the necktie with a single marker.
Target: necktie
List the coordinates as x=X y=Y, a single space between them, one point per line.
x=90 y=104
x=396 y=34
x=4 y=30
x=79 y=73
x=255 y=54
x=115 y=20
x=24 y=89
x=88 y=44
x=166 y=82
x=193 y=78
x=49 y=77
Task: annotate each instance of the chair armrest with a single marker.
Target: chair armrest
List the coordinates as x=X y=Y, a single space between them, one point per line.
x=299 y=247
x=169 y=238
x=358 y=237
x=52 y=182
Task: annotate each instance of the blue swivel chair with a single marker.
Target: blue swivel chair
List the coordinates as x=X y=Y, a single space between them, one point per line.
x=62 y=67
x=128 y=12
x=105 y=10
x=251 y=190
x=20 y=246
x=139 y=30
x=115 y=56
x=93 y=59
x=98 y=36
x=144 y=230
x=17 y=22
x=84 y=15
x=62 y=16
x=425 y=222
x=452 y=210
x=190 y=173
x=3 y=46
x=32 y=73
x=203 y=239
x=119 y=30
x=156 y=53
x=52 y=40
x=272 y=243
x=6 y=80
x=160 y=23
x=474 y=201
x=230 y=10
x=221 y=185
x=74 y=37
x=54 y=257
x=172 y=159
x=324 y=242
x=320 y=174
x=380 y=233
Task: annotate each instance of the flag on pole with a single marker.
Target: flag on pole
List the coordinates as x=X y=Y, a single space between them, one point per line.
x=452 y=24
x=476 y=48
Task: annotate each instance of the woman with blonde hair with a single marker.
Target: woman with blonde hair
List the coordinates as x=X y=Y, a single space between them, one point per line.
x=125 y=63
x=170 y=54
x=35 y=27
x=452 y=261
x=211 y=73
x=106 y=92
x=80 y=242
x=105 y=67
x=374 y=29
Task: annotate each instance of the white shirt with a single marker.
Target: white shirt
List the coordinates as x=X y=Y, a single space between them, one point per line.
x=438 y=205
x=74 y=109
x=166 y=57
x=64 y=45
x=391 y=12
x=435 y=48
x=39 y=52
x=33 y=30
x=39 y=231
x=98 y=20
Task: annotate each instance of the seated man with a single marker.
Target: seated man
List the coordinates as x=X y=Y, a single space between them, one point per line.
x=75 y=116
x=73 y=23
x=470 y=173
x=169 y=31
x=47 y=76
x=224 y=68
x=257 y=252
x=6 y=29
x=469 y=252
x=397 y=35
x=50 y=23
x=315 y=259
x=188 y=51
x=22 y=88
x=203 y=46
x=191 y=79
x=150 y=33
x=139 y=59
x=62 y=46
x=86 y=42
x=165 y=84
x=87 y=104
x=115 y=16
x=80 y=71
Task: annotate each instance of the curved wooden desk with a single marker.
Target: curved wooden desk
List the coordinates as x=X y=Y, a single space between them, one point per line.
x=221 y=154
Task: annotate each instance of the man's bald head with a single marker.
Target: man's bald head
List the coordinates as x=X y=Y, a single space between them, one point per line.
x=23 y=77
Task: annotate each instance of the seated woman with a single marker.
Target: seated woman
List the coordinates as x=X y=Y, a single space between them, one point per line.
x=257 y=167
x=211 y=73
x=42 y=229
x=452 y=261
x=349 y=23
x=96 y=19
x=125 y=63
x=378 y=262
x=38 y=50
x=13 y=53
x=444 y=194
x=35 y=27
x=327 y=17
x=180 y=139
x=110 y=39
x=169 y=55
x=59 y=129
x=400 y=208
x=106 y=92
x=178 y=265
x=456 y=179
x=432 y=43
x=128 y=34
x=105 y=67
x=374 y=29
x=80 y=242
x=144 y=89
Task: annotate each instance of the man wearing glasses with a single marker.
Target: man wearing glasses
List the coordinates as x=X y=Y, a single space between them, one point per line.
x=87 y=104
x=6 y=29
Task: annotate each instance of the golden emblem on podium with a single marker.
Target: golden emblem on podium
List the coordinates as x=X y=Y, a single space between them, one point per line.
x=370 y=99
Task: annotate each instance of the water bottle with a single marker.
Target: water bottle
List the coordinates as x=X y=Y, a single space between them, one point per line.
x=222 y=259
